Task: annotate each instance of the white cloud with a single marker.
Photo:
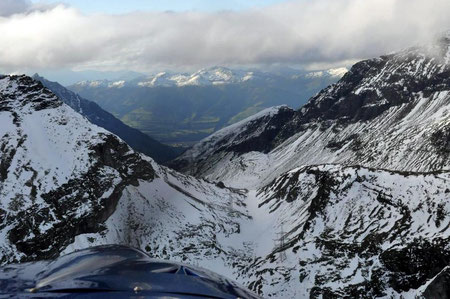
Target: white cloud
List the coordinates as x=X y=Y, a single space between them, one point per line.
x=296 y=32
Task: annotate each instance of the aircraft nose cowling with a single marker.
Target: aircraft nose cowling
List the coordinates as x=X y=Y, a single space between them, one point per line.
x=118 y=270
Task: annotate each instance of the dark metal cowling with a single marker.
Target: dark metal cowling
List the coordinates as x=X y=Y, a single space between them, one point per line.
x=114 y=271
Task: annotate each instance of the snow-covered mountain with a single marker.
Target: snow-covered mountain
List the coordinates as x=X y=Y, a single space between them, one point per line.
x=354 y=186
x=217 y=75
x=337 y=72
x=328 y=230
x=66 y=183
x=210 y=76
x=389 y=112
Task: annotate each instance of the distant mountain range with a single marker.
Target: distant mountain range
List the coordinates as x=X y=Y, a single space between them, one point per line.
x=210 y=76
x=184 y=108
x=95 y=114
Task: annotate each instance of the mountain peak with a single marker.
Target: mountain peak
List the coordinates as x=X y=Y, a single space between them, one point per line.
x=373 y=86
x=24 y=91
x=36 y=76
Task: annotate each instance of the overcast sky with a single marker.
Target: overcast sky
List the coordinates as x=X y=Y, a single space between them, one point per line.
x=192 y=34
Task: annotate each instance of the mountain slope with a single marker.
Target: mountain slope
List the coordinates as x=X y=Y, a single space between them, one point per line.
x=389 y=112
x=133 y=137
x=256 y=133
x=62 y=177
x=200 y=103
x=356 y=232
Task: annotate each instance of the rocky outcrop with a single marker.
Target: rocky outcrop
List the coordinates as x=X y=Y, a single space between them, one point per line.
x=439 y=287
x=63 y=202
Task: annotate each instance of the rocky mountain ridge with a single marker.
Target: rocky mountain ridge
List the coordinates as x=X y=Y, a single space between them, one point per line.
x=66 y=181
x=355 y=183
x=389 y=112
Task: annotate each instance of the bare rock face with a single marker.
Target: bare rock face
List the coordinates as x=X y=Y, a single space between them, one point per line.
x=440 y=286
x=74 y=195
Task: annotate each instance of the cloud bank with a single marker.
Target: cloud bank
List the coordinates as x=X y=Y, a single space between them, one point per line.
x=296 y=32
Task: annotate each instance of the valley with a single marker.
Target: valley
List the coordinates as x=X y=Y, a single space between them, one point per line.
x=182 y=109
